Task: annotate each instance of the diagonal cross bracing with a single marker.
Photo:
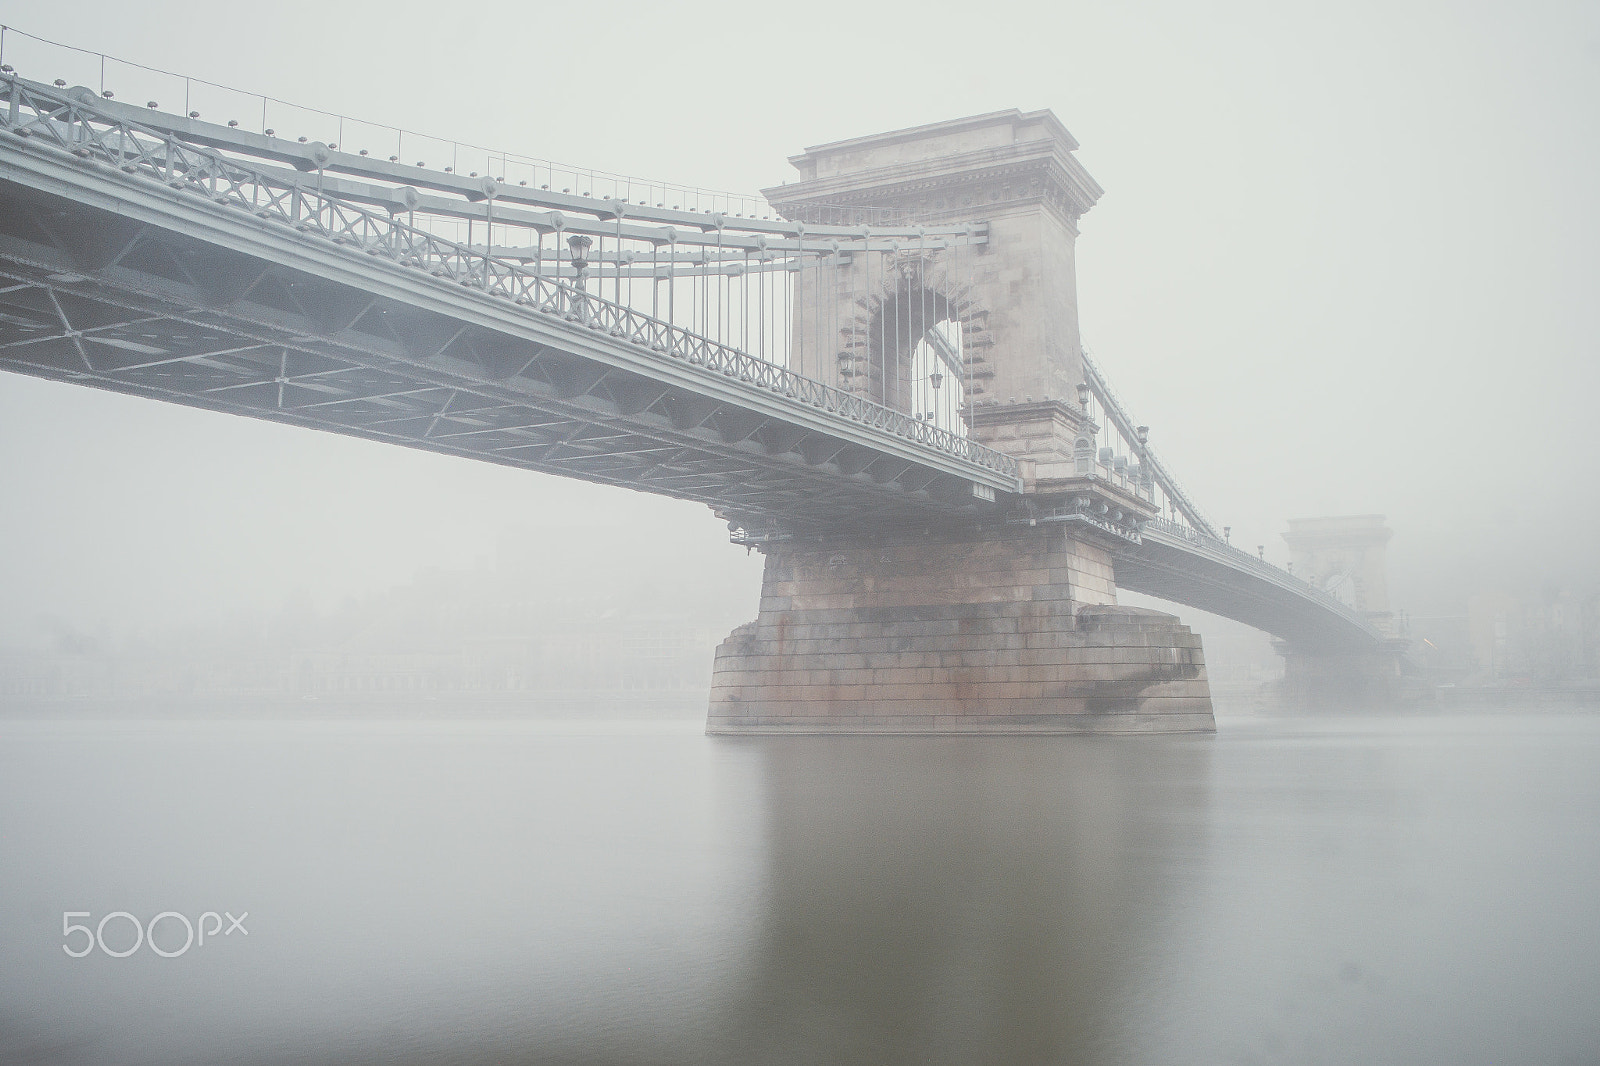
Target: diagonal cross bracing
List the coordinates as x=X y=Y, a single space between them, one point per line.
x=270 y=348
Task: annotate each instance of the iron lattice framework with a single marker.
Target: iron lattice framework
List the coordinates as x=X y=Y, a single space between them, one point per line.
x=144 y=263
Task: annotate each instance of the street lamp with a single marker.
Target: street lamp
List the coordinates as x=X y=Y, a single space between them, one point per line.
x=1261 y=552
x=1227 y=534
x=1143 y=433
x=579 y=245
x=935 y=379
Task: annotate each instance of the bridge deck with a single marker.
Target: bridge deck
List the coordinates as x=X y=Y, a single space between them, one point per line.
x=154 y=283
x=1185 y=566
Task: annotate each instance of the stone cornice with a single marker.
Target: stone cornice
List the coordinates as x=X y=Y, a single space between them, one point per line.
x=1010 y=116
x=1059 y=411
x=1019 y=177
x=951 y=198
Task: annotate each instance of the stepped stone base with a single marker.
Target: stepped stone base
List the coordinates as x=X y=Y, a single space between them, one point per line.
x=1018 y=633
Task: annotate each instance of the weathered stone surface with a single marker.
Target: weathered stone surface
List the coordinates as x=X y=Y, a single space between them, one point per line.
x=1018 y=173
x=1011 y=631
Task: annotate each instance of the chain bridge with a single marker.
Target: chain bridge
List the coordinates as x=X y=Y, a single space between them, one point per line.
x=873 y=373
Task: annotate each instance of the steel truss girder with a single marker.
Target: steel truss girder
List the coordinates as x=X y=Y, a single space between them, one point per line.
x=746 y=477
x=66 y=141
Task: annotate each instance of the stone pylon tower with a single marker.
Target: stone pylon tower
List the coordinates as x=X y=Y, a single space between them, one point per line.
x=1009 y=627
x=1015 y=300
x=1345 y=556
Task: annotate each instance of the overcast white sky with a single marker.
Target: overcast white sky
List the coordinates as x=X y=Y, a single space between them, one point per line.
x=1346 y=262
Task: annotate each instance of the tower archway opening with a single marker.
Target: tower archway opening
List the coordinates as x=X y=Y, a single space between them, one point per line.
x=916 y=360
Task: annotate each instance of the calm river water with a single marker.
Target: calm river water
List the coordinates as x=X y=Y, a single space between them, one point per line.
x=1345 y=890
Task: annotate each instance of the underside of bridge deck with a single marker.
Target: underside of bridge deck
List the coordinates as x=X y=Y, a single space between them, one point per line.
x=94 y=297
x=1172 y=569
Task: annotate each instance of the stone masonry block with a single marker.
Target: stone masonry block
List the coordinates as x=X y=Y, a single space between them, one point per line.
x=999 y=633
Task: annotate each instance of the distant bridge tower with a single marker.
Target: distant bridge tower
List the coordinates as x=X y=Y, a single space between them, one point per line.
x=1345 y=556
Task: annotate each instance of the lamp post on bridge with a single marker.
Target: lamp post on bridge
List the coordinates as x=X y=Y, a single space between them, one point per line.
x=579 y=246
x=1143 y=433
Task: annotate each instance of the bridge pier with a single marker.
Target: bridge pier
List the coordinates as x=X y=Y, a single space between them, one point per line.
x=990 y=632
x=1318 y=678
x=1006 y=622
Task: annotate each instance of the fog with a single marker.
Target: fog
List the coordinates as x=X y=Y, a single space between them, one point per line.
x=1344 y=263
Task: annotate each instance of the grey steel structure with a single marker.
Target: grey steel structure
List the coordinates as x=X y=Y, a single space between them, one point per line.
x=166 y=257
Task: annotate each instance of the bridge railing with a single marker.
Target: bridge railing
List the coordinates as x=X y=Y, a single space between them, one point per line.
x=1243 y=560
x=74 y=125
x=1124 y=425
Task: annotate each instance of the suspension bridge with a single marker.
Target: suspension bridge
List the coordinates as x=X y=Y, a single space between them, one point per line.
x=870 y=372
